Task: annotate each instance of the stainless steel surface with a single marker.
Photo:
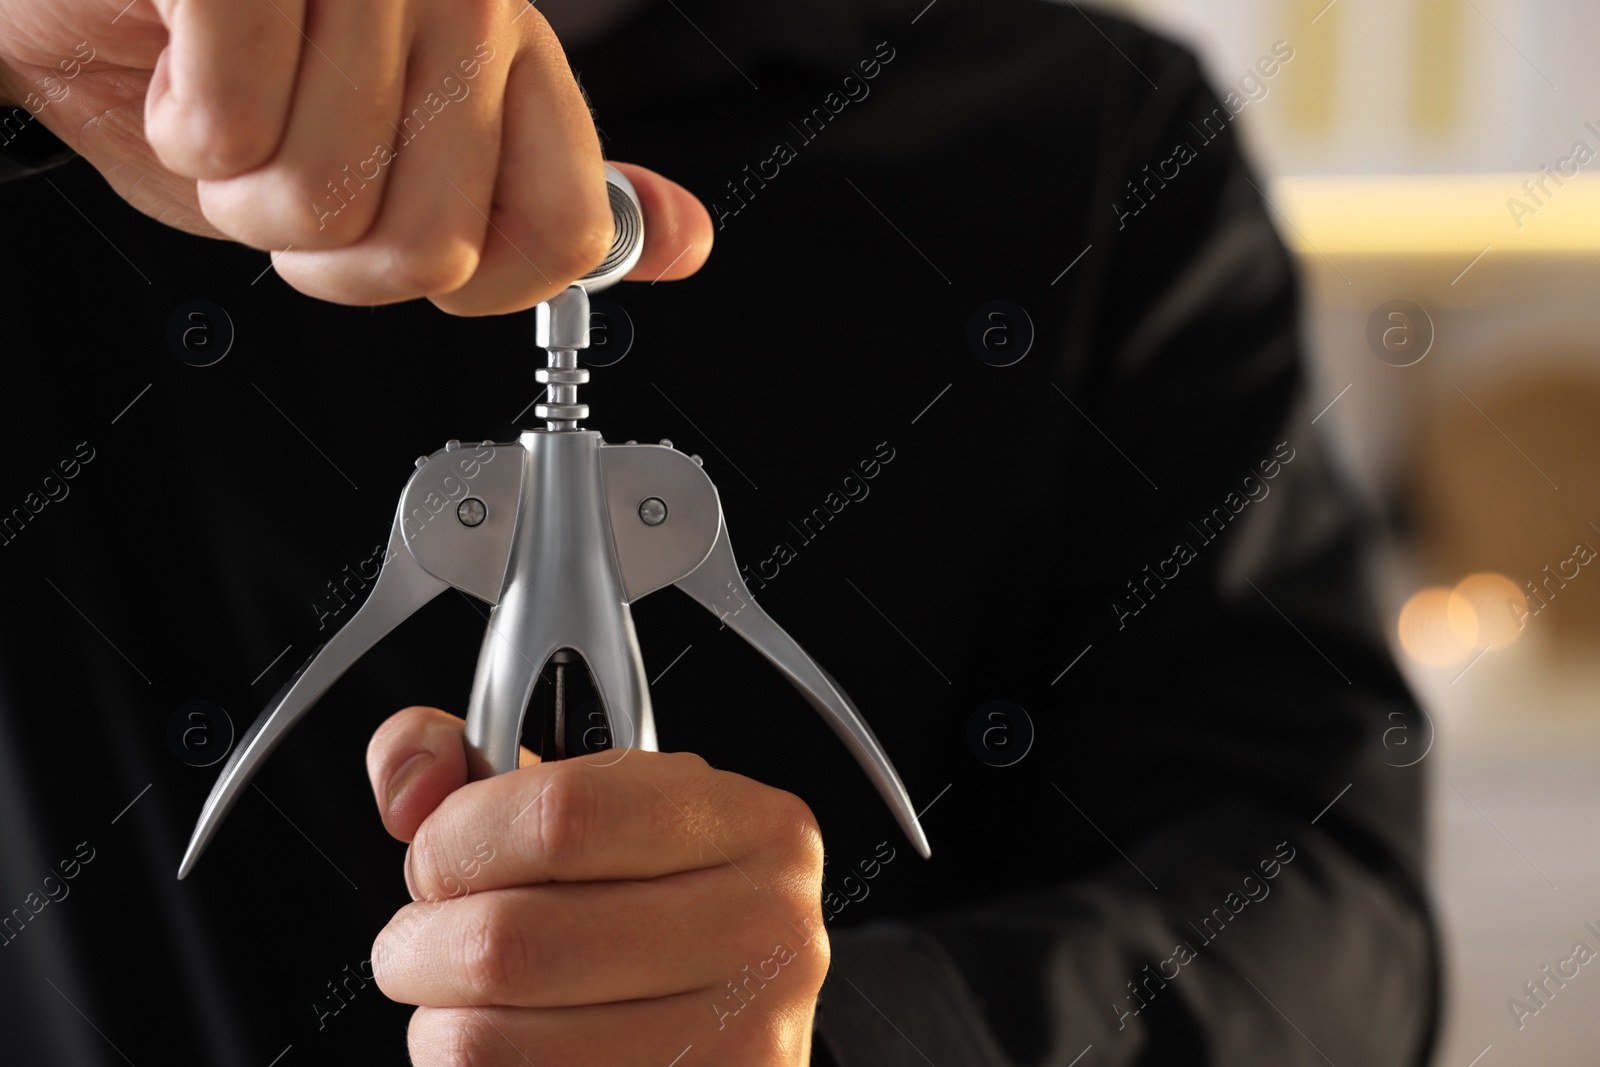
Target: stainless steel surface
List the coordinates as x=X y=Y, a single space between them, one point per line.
x=653 y=511
x=473 y=559
x=691 y=549
x=627 y=242
x=654 y=556
x=717 y=586
x=561 y=552
x=560 y=533
x=561 y=328
x=562 y=322
x=563 y=589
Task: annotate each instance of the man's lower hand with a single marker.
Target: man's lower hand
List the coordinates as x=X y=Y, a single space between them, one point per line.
x=621 y=907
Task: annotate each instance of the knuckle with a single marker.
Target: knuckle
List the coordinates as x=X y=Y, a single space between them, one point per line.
x=233 y=147
x=421 y=862
x=275 y=207
x=382 y=956
x=449 y=1037
x=567 y=812
x=772 y=1037
x=332 y=214
x=206 y=141
x=574 y=242
x=795 y=831
x=403 y=945
x=813 y=963
x=431 y=267
x=691 y=760
x=485 y=18
x=493 y=953
x=430 y=863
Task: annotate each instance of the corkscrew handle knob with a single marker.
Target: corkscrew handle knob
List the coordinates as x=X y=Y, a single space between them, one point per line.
x=627 y=244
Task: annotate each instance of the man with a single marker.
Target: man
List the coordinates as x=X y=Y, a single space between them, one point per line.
x=1090 y=521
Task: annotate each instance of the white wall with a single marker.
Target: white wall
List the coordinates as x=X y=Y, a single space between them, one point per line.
x=1366 y=61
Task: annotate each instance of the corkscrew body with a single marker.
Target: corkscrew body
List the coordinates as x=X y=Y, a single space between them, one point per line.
x=559 y=532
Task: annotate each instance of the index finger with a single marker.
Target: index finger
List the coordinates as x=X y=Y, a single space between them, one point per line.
x=597 y=818
x=219 y=96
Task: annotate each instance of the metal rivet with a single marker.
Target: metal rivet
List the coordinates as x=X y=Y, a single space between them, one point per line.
x=653 y=511
x=471 y=511
x=666 y=442
x=698 y=462
x=422 y=461
x=452 y=445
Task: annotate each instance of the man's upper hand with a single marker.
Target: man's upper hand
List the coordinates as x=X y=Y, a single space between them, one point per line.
x=383 y=150
x=614 y=908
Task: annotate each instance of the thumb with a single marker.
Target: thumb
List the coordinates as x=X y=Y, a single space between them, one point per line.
x=677 y=231
x=416 y=759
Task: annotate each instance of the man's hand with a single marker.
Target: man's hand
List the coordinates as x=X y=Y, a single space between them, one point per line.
x=614 y=908
x=385 y=150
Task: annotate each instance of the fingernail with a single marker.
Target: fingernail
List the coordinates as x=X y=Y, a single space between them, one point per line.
x=411 y=887
x=409 y=771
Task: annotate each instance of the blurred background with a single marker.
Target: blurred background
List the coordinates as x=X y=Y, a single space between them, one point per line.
x=1430 y=162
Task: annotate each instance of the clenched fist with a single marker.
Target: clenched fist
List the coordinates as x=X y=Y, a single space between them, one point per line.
x=385 y=149
x=622 y=907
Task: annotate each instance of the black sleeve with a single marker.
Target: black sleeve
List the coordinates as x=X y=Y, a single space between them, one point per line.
x=27 y=147
x=1264 y=904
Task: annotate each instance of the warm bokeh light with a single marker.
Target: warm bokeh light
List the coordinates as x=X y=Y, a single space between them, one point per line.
x=1428 y=632
x=1496 y=606
x=1421 y=214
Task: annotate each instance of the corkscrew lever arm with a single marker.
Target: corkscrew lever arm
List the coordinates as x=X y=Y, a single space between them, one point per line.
x=668 y=529
x=401 y=589
x=716 y=586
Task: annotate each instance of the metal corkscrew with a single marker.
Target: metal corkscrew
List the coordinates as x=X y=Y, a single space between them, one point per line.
x=559 y=532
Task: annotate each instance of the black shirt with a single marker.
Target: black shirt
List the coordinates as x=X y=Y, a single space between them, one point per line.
x=1209 y=851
